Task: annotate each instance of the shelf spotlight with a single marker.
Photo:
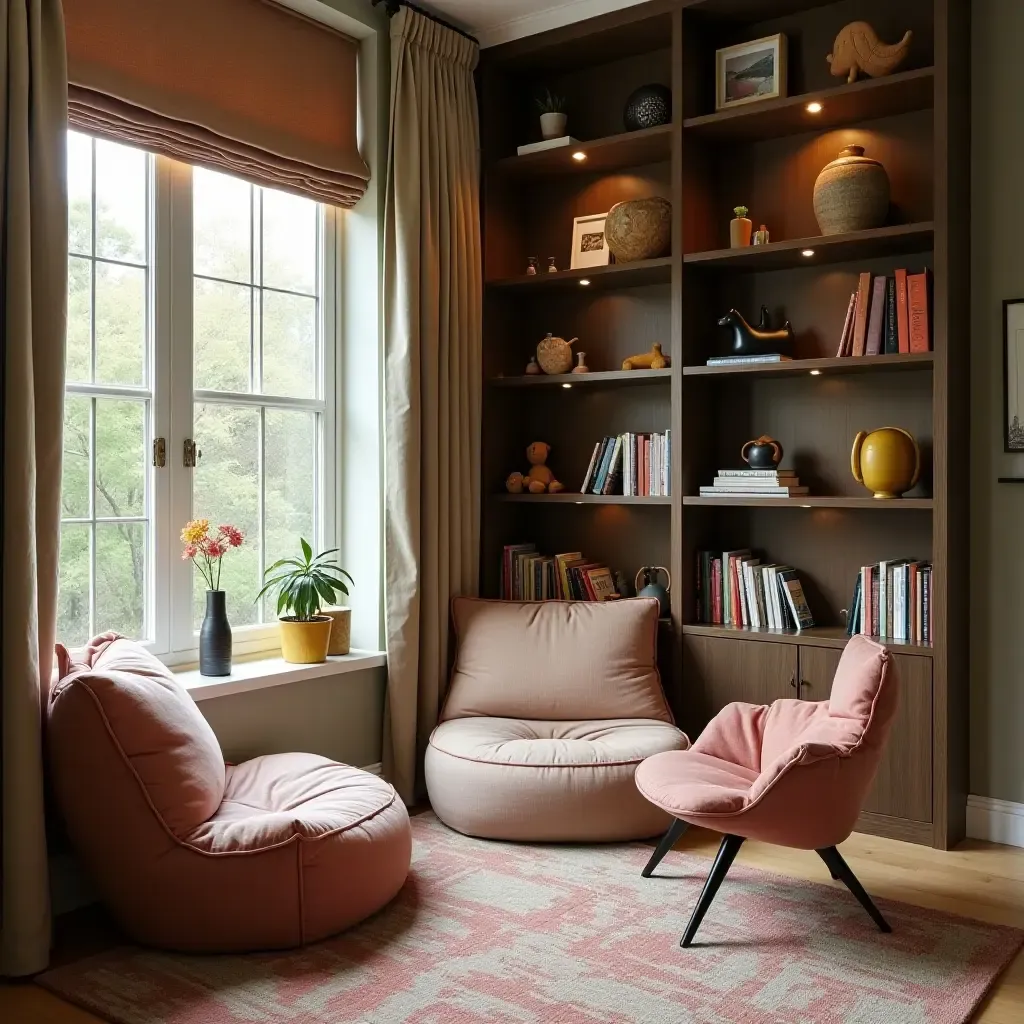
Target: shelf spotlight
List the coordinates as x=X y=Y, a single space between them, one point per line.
x=815 y=373
x=579 y=502
x=579 y=156
x=584 y=282
x=814 y=107
x=566 y=385
x=807 y=253
x=806 y=506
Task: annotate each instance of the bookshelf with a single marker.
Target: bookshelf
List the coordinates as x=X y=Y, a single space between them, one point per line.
x=765 y=156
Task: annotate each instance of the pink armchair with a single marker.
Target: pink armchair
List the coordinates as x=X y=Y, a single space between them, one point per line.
x=795 y=773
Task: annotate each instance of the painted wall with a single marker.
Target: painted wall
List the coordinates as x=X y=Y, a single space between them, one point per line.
x=997 y=510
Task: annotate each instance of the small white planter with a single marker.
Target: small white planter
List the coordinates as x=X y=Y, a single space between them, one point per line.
x=552 y=126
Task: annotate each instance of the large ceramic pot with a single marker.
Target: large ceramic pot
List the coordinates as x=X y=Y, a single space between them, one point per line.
x=640 y=229
x=851 y=193
x=305 y=643
x=648 y=107
x=886 y=461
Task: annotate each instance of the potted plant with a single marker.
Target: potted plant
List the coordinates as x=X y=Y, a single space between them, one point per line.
x=206 y=553
x=553 y=118
x=301 y=584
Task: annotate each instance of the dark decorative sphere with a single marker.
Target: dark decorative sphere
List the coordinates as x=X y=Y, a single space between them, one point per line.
x=648 y=107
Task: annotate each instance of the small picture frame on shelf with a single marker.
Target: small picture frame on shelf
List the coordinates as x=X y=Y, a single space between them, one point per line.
x=589 y=242
x=1013 y=375
x=750 y=72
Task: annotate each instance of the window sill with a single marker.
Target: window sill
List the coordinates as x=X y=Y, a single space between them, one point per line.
x=263 y=673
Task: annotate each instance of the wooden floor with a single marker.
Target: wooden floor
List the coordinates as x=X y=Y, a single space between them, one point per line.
x=978 y=880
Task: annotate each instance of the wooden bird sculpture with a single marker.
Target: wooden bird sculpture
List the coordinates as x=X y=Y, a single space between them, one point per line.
x=858 y=48
x=756 y=341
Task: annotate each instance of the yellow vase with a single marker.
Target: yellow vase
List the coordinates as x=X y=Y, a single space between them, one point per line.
x=887 y=461
x=305 y=643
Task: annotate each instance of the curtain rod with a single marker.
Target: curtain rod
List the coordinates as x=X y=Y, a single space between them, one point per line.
x=391 y=6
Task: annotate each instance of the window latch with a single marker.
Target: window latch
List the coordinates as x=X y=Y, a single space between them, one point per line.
x=159 y=453
x=191 y=454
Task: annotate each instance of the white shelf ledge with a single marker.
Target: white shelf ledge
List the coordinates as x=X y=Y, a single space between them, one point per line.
x=263 y=673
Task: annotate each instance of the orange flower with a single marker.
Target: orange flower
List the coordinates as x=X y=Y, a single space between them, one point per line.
x=195 y=531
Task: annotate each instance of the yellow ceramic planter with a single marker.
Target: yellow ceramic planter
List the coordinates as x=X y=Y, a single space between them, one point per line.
x=305 y=643
x=886 y=461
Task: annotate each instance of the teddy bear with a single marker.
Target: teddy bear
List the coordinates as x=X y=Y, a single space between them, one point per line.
x=540 y=478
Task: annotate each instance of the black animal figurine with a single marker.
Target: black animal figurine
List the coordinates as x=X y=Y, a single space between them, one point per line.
x=756 y=341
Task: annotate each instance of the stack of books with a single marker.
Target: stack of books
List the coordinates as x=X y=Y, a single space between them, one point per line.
x=771 y=357
x=630 y=464
x=527 y=575
x=736 y=589
x=888 y=316
x=754 y=483
x=893 y=600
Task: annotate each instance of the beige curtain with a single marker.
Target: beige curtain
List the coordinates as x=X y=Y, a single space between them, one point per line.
x=33 y=284
x=432 y=325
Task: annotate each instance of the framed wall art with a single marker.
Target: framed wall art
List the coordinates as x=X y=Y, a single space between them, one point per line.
x=750 y=72
x=589 y=242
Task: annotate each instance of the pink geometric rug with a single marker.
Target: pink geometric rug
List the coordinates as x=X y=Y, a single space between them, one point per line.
x=495 y=933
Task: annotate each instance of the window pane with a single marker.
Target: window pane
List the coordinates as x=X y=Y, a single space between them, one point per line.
x=120 y=202
x=289 y=242
x=74 y=491
x=73 y=601
x=121 y=578
x=226 y=489
x=120 y=324
x=79 y=193
x=120 y=458
x=222 y=336
x=79 y=350
x=289 y=467
x=289 y=345
x=222 y=231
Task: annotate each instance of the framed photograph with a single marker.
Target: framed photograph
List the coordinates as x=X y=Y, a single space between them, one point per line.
x=750 y=72
x=1013 y=375
x=589 y=244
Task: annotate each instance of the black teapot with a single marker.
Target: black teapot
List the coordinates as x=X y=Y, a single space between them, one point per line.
x=764 y=453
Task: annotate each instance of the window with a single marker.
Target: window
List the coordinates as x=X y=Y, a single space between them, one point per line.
x=198 y=314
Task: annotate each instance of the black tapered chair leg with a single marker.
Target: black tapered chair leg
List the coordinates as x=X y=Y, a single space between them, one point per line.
x=726 y=855
x=841 y=870
x=668 y=840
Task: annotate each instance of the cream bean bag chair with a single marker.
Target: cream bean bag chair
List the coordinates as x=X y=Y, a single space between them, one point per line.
x=551 y=707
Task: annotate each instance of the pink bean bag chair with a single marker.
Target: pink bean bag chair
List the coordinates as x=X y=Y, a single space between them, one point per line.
x=191 y=855
x=551 y=707
x=795 y=773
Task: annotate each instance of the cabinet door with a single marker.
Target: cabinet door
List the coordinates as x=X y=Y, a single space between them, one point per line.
x=719 y=671
x=903 y=785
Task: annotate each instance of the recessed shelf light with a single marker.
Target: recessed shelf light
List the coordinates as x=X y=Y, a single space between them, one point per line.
x=566 y=385
x=579 y=502
x=805 y=506
x=814 y=107
x=584 y=282
x=579 y=156
x=808 y=253
x=815 y=373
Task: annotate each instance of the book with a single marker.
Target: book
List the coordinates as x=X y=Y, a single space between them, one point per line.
x=891 y=342
x=613 y=477
x=601 y=474
x=509 y=568
x=760 y=492
x=860 y=317
x=793 y=591
x=561 y=561
x=727 y=583
x=590 y=468
x=773 y=357
x=847 y=335
x=540 y=147
x=602 y=584
x=902 y=319
x=919 y=311
x=876 y=315
x=758 y=474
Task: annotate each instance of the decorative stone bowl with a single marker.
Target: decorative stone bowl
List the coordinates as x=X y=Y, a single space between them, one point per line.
x=851 y=193
x=648 y=107
x=639 y=229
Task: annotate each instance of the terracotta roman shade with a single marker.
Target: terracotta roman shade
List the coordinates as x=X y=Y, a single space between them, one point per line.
x=240 y=86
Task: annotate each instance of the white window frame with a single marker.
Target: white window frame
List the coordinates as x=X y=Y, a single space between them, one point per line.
x=169 y=615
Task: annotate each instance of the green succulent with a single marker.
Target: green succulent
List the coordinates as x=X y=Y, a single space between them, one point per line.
x=301 y=583
x=740 y=211
x=550 y=103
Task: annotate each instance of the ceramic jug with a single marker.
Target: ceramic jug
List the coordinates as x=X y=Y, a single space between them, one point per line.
x=887 y=461
x=647 y=585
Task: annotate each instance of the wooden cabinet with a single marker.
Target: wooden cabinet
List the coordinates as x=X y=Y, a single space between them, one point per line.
x=719 y=671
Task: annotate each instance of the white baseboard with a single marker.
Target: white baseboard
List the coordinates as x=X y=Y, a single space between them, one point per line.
x=997 y=821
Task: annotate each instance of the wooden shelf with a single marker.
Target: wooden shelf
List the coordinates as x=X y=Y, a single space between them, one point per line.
x=816 y=637
x=799 y=367
x=568 y=498
x=632 y=149
x=842 y=105
x=814 y=501
x=616 y=275
x=594 y=379
x=856 y=245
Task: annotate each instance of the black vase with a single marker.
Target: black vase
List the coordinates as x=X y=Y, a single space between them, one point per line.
x=215 y=637
x=648 y=107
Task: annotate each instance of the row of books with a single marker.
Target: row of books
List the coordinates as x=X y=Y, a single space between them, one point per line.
x=888 y=316
x=754 y=483
x=527 y=575
x=630 y=464
x=736 y=589
x=893 y=600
